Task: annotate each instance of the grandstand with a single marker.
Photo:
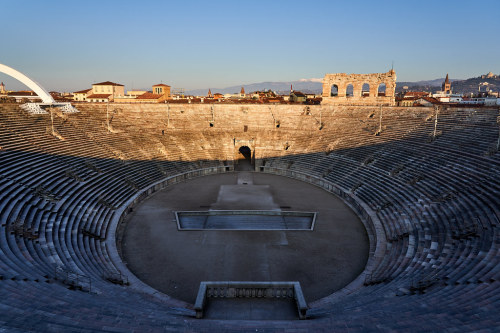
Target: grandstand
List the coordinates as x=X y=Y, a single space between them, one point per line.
x=425 y=182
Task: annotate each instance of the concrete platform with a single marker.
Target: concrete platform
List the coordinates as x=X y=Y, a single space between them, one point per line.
x=175 y=262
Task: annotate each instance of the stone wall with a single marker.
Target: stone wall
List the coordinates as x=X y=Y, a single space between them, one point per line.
x=217 y=131
x=359 y=97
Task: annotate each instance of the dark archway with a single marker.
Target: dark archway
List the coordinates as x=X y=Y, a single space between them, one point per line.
x=244 y=162
x=246 y=152
x=365 y=90
x=381 y=89
x=349 y=91
x=334 y=90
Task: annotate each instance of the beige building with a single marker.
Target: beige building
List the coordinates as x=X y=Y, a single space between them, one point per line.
x=105 y=92
x=136 y=92
x=81 y=95
x=159 y=94
x=162 y=89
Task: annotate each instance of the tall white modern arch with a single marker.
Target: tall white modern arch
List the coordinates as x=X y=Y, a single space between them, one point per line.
x=38 y=89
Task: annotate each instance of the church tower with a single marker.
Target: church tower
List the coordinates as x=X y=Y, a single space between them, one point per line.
x=242 y=92
x=446 y=87
x=2 y=88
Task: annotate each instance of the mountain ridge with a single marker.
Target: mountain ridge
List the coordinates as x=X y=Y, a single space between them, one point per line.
x=314 y=85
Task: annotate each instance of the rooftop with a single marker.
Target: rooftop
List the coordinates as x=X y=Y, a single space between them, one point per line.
x=149 y=95
x=82 y=91
x=107 y=83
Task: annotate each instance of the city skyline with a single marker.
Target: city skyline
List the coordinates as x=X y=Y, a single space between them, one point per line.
x=68 y=46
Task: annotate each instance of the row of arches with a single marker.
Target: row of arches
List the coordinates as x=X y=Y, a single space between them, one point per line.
x=364 y=92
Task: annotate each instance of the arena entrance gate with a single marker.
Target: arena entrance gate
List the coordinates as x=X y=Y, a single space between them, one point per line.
x=244 y=154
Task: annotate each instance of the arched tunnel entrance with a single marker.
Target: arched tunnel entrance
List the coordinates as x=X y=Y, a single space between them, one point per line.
x=244 y=161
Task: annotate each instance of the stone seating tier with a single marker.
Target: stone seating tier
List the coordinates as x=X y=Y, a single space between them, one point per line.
x=437 y=199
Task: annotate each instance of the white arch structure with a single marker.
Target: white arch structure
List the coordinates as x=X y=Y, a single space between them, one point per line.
x=38 y=89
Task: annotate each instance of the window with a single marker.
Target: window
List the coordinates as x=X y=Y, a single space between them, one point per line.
x=381 y=89
x=334 y=90
x=365 y=90
x=349 y=91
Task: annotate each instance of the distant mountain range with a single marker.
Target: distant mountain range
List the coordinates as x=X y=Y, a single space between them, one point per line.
x=314 y=85
x=304 y=85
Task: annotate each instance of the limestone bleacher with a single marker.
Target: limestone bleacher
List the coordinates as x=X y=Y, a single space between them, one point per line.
x=437 y=198
x=432 y=181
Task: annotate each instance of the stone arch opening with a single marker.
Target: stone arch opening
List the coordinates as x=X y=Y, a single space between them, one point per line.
x=246 y=152
x=349 y=90
x=365 y=90
x=244 y=161
x=381 y=89
x=334 y=90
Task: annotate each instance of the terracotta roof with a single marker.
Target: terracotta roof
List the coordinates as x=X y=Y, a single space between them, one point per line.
x=431 y=100
x=22 y=93
x=82 y=91
x=161 y=85
x=107 y=83
x=98 y=96
x=149 y=95
x=416 y=94
x=299 y=94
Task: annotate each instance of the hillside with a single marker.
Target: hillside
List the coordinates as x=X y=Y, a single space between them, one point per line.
x=466 y=86
x=315 y=86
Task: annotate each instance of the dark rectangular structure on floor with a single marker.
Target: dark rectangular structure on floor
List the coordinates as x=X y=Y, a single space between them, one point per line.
x=245 y=220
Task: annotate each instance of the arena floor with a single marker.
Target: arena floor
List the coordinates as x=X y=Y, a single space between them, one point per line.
x=175 y=262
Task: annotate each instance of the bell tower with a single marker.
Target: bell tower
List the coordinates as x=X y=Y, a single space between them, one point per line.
x=446 y=87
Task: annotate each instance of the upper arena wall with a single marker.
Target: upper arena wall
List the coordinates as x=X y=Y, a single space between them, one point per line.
x=359 y=96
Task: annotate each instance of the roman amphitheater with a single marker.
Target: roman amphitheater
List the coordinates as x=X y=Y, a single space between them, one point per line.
x=405 y=206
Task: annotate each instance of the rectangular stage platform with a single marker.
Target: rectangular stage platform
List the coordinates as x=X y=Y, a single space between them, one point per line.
x=245 y=220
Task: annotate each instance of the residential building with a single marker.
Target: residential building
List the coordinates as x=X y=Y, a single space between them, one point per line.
x=105 y=92
x=136 y=92
x=24 y=95
x=297 y=97
x=99 y=98
x=427 y=101
x=159 y=94
x=81 y=95
x=162 y=89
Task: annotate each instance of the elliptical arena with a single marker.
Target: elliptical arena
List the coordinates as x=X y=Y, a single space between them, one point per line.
x=405 y=235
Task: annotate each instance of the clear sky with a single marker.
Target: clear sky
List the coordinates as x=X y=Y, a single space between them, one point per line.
x=68 y=45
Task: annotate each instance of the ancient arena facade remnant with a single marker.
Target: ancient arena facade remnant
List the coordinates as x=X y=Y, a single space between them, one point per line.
x=359 y=89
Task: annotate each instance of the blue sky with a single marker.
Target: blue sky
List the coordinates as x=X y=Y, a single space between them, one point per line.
x=68 y=45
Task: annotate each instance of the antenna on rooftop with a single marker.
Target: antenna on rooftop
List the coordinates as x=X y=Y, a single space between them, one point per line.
x=392 y=65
